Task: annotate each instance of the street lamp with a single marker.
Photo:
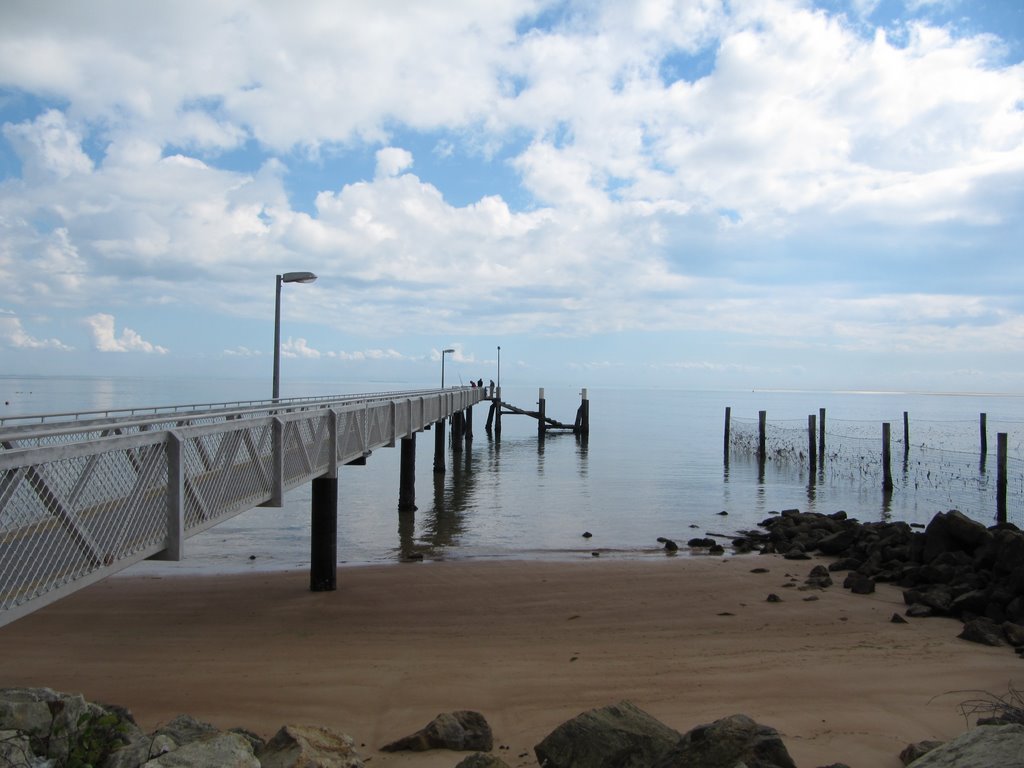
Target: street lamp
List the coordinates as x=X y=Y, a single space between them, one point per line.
x=443 y=353
x=499 y=367
x=287 y=277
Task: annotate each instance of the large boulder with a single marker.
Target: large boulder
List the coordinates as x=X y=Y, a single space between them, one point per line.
x=953 y=531
x=65 y=727
x=727 y=743
x=464 y=731
x=617 y=736
x=222 y=749
x=306 y=746
x=984 y=747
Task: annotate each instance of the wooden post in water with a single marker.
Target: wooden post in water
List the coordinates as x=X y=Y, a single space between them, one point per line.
x=407 y=474
x=812 y=448
x=497 y=413
x=1001 y=477
x=984 y=434
x=323 y=568
x=886 y=458
x=541 y=412
x=906 y=433
x=725 y=441
x=821 y=436
x=582 y=425
x=467 y=420
x=762 y=421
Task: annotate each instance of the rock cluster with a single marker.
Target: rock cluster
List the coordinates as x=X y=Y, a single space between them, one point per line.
x=953 y=567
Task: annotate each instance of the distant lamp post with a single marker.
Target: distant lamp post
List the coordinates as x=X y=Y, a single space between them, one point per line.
x=287 y=277
x=443 y=353
x=499 y=367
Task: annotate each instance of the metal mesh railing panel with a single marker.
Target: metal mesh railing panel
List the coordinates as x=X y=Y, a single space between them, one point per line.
x=67 y=517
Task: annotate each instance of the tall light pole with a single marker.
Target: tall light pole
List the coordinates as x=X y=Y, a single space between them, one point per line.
x=443 y=353
x=499 y=366
x=287 y=277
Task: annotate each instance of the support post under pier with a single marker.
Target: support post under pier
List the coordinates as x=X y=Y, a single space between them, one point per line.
x=541 y=414
x=439 y=447
x=407 y=475
x=457 y=427
x=323 y=565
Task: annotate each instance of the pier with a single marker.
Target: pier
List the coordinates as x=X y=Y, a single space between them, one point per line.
x=85 y=495
x=580 y=426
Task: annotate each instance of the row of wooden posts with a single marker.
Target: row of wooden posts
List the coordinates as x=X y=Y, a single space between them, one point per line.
x=816 y=449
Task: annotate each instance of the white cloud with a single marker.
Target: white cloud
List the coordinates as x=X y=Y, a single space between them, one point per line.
x=391 y=161
x=242 y=351
x=105 y=338
x=48 y=147
x=14 y=334
x=298 y=348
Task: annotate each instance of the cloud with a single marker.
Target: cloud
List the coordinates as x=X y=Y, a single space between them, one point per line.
x=15 y=335
x=105 y=338
x=298 y=348
x=391 y=161
x=48 y=147
x=242 y=351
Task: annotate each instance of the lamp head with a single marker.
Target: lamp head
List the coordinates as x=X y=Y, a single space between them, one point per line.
x=298 y=277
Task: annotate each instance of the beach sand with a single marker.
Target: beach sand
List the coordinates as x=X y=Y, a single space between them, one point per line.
x=528 y=644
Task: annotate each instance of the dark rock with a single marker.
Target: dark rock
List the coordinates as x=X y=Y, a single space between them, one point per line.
x=984 y=631
x=897 y=619
x=221 y=748
x=919 y=611
x=846 y=564
x=759 y=570
x=587 y=535
x=953 y=531
x=859 y=584
x=819 y=577
x=937 y=597
x=837 y=543
x=463 y=731
x=701 y=543
x=988 y=747
x=617 y=736
x=727 y=743
x=773 y=598
x=1014 y=633
x=797 y=553
x=913 y=751
x=670 y=546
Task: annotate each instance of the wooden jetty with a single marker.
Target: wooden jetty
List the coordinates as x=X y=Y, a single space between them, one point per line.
x=581 y=426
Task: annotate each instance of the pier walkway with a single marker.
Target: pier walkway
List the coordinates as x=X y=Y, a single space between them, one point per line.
x=85 y=495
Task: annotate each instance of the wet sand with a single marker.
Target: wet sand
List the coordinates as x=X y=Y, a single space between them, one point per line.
x=528 y=644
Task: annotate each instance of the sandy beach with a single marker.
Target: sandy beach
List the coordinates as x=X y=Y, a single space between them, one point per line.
x=528 y=644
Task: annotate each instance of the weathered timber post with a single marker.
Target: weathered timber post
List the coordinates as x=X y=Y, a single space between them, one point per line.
x=906 y=433
x=582 y=425
x=467 y=420
x=407 y=474
x=984 y=434
x=1001 y=438
x=725 y=439
x=762 y=422
x=541 y=412
x=323 y=573
x=439 y=447
x=812 y=447
x=497 y=413
x=821 y=436
x=457 y=428
x=886 y=458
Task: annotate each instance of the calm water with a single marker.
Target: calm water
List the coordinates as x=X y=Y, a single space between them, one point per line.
x=652 y=466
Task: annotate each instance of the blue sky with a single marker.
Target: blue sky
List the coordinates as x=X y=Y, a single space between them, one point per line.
x=697 y=194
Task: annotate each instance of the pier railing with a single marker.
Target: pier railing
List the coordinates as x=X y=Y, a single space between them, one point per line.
x=84 y=497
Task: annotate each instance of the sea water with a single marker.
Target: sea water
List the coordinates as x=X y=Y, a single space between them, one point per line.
x=655 y=464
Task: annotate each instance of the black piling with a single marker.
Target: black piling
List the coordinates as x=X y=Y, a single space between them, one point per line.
x=407 y=475
x=323 y=568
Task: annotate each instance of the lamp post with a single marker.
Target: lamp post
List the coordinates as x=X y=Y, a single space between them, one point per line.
x=443 y=353
x=287 y=277
x=499 y=367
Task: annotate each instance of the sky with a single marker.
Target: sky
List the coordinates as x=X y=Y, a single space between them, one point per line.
x=696 y=194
